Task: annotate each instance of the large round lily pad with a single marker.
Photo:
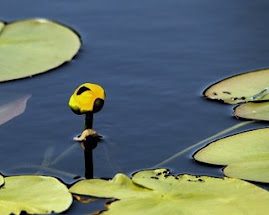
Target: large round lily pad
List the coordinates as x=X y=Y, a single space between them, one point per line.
x=246 y=154
x=241 y=88
x=33 y=194
x=34 y=46
x=158 y=192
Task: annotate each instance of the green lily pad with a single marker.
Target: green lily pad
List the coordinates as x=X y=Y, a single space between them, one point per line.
x=1 y=26
x=115 y=188
x=238 y=151
x=158 y=192
x=34 y=46
x=1 y=180
x=241 y=88
x=253 y=110
x=258 y=169
x=33 y=194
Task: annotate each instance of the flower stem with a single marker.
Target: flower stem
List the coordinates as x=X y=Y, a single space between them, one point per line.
x=88 y=120
x=89 y=145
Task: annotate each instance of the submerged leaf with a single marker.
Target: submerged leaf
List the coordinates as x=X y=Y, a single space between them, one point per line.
x=34 y=46
x=252 y=110
x=33 y=194
x=158 y=192
x=249 y=148
x=251 y=86
x=12 y=109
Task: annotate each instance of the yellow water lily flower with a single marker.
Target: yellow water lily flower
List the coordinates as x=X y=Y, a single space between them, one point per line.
x=87 y=98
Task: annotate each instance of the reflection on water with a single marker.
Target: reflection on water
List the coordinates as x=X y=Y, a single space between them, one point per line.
x=89 y=145
x=47 y=165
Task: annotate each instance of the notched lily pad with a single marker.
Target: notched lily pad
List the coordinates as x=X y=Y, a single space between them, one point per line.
x=253 y=110
x=34 y=46
x=115 y=188
x=33 y=194
x=246 y=154
x=159 y=192
x=241 y=88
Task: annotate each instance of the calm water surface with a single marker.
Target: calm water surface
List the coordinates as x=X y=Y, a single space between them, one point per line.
x=154 y=58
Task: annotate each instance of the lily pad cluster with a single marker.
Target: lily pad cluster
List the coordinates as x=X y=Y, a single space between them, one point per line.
x=250 y=90
x=159 y=192
x=34 y=46
x=245 y=154
x=33 y=194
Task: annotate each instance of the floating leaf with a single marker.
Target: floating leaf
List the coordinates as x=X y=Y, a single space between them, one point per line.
x=33 y=194
x=249 y=148
x=1 y=180
x=240 y=88
x=1 y=26
x=252 y=171
x=253 y=110
x=34 y=46
x=12 y=109
x=119 y=187
x=158 y=192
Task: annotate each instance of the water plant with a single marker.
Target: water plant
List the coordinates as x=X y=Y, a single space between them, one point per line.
x=159 y=192
x=246 y=155
x=33 y=194
x=244 y=87
x=88 y=99
x=151 y=191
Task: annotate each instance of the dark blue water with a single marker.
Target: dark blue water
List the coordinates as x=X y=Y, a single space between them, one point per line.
x=154 y=58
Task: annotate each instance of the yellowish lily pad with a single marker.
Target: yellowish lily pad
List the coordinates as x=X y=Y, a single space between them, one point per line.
x=253 y=110
x=158 y=192
x=115 y=188
x=33 y=194
x=249 y=170
x=1 y=180
x=238 y=151
x=1 y=26
x=241 y=88
x=34 y=46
